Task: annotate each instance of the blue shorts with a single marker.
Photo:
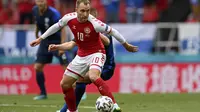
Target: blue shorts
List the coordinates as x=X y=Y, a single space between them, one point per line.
x=107 y=72
x=45 y=57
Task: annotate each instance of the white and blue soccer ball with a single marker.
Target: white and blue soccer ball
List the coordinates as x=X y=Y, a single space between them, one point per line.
x=104 y=104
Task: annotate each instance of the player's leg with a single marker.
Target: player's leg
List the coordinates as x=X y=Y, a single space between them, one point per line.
x=68 y=91
x=96 y=65
x=84 y=97
x=107 y=73
x=75 y=69
x=43 y=58
x=80 y=87
x=40 y=81
x=79 y=91
x=102 y=87
x=94 y=75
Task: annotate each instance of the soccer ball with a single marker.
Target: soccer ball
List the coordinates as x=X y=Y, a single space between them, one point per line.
x=104 y=104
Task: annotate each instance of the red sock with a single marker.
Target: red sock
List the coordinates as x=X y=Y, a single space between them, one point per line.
x=103 y=88
x=70 y=99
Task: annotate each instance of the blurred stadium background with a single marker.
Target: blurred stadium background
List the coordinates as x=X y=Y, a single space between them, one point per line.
x=166 y=31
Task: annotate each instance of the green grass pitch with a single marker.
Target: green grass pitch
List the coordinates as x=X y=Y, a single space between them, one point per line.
x=128 y=103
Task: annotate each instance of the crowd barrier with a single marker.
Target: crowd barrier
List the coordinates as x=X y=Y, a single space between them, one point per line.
x=128 y=78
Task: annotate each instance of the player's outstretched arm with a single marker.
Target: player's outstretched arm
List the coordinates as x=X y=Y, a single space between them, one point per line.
x=129 y=47
x=104 y=28
x=64 y=46
x=104 y=39
x=53 y=29
x=121 y=39
x=63 y=40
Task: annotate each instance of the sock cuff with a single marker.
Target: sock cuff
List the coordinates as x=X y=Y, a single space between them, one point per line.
x=70 y=89
x=99 y=79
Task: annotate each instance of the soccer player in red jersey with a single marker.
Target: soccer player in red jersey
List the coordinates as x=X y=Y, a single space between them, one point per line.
x=91 y=52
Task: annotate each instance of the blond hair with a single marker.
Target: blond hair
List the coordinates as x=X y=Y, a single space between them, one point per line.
x=78 y=2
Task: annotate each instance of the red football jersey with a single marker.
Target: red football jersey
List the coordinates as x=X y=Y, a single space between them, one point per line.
x=86 y=34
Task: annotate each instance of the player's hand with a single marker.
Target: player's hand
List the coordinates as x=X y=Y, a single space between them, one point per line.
x=61 y=52
x=53 y=47
x=130 y=48
x=35 y=42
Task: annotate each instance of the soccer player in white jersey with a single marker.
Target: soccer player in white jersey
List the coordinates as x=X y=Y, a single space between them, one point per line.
x=91 y=52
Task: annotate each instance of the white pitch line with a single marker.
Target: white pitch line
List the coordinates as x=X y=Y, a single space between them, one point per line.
x=44 y=106
x=87 y=107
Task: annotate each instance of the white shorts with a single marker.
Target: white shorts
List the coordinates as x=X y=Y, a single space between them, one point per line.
x=81 y=65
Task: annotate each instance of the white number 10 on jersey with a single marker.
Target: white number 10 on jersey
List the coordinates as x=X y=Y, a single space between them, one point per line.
x=80 y=36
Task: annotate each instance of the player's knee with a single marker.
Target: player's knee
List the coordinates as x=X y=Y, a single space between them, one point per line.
x=93 y=77
x=38 y=67
x=65 y=85
x=74 y=85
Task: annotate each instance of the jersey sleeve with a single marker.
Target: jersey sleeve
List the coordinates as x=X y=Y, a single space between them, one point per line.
x=102 y=27
x=65 y=19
